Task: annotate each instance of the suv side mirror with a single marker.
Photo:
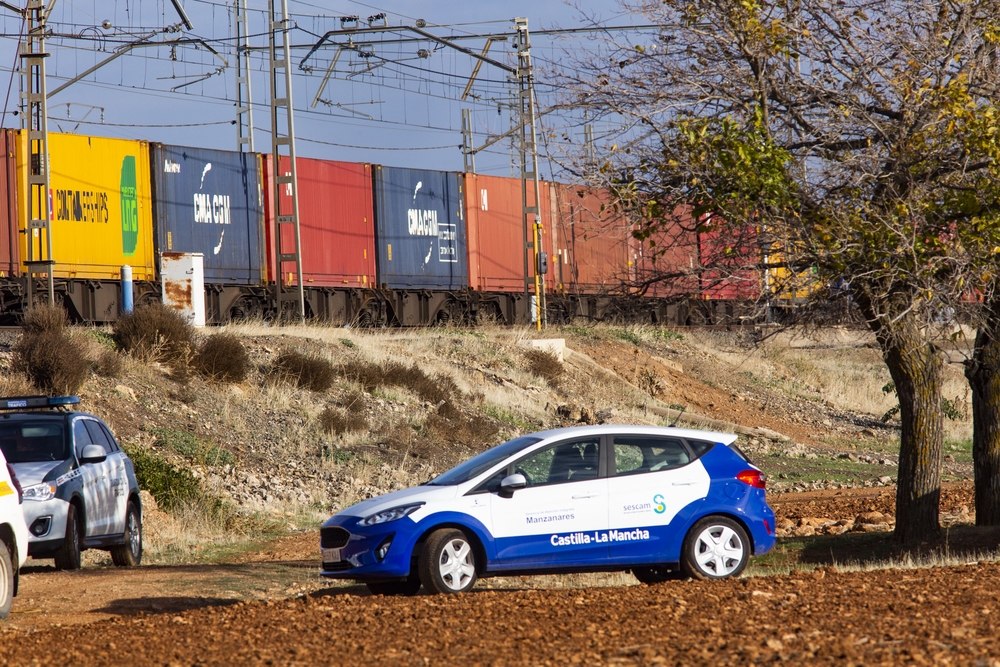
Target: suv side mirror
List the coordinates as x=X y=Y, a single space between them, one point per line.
x=511 y=483
x=93 y=454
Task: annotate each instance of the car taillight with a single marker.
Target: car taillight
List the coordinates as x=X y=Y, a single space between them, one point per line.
x=17 y=484
x=754 y=478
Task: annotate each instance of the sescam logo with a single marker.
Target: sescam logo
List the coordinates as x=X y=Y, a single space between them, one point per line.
x=598 y=537
x=130 y=207
x=660 y=507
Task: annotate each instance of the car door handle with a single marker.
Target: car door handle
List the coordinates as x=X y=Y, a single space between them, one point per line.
x=586 y=495
x=689 y=483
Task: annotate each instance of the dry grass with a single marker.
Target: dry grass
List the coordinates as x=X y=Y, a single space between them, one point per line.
x=222 y=358
x=44 y=318
x=154 y=332
x=54 y=362
x=545 y=365
x=306 y=371
x=338 y=420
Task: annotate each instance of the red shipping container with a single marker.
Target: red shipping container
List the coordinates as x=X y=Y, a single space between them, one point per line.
x=730 y=259
x=668 y=259
x=495 y=234
x=336 y=223
x=10 y=247
x=595 y=252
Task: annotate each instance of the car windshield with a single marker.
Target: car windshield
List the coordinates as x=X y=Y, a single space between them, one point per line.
x=33 y=441
x=480 y=464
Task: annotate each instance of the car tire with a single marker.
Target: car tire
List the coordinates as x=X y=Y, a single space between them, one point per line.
x=68 y=556
x=717 y=547
x=655 y=574
x=408 y=587
x=447 y=562
x=129 y=554
x=7 y=578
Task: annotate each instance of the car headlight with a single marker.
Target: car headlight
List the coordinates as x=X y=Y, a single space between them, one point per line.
x=40 y=492
x=393 y=514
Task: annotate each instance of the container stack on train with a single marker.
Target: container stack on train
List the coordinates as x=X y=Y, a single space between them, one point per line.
x=379 y=245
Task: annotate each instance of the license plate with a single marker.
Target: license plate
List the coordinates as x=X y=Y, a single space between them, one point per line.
x=331 y=555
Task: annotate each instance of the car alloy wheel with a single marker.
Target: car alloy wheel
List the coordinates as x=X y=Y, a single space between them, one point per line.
x=717 y=547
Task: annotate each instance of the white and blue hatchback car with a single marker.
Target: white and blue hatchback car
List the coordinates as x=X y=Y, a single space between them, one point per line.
x=655 y=501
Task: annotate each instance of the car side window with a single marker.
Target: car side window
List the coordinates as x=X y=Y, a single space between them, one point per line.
x=110 y=437
x=81 y=436
x=640 y=454
x=573 y=461
x=699 y=447
x=97 y=435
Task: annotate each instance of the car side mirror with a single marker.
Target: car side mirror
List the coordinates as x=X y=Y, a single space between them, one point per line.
x=93 y=454
x=512 y=483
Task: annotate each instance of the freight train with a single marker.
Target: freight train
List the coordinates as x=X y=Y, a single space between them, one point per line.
x=380 y=246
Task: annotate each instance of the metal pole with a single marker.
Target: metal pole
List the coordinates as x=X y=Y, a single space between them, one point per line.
x=244 y=100
x=281 y=102
x=531 y=209
x=34 y=120
x=468 y=152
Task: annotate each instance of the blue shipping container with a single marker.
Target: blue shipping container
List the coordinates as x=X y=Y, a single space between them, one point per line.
x=208 y=201
x=420 y=229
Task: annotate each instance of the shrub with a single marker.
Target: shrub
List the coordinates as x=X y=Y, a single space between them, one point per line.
x=109 y=364
x=172 y=487
x=339 y=420
x=188 y=444
x=154 y=332
x=394 y=374
x=306 y=371
x=43 y=318
x=222 y=358
x=545 y=365
x=54 y=363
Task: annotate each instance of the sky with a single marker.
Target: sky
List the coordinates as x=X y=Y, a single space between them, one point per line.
x=384 y=103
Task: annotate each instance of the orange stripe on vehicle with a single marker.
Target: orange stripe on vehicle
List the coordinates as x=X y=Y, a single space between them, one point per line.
x=5 y=489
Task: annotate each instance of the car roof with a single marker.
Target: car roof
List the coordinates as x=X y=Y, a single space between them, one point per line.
x=34 y=414
x=636 y=429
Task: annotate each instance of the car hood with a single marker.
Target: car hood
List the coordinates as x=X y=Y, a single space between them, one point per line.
x=34 y=472
x=427 y=494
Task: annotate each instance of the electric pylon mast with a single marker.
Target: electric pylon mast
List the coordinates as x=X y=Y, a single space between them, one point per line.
x=244 y=100
x=34 y=121
x=283 y=145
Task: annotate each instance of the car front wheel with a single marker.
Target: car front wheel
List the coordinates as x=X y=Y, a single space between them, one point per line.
x=716 y=548
x=447 y=562
x=129 y=554
x=6 y=581
x=68 y=556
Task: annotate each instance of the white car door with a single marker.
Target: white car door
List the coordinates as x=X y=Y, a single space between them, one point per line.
x=653 y=479
x=559 y=519
x=94 y=477
x=117 y=481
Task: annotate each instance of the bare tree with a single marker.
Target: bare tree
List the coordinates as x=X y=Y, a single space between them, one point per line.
x=853 y=138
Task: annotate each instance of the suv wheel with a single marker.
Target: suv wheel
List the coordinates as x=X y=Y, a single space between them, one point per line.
x=129 y=554
x=68 y=556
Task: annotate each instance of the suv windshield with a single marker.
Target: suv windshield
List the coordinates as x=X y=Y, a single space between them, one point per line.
x=480 y=464
x=33 y=441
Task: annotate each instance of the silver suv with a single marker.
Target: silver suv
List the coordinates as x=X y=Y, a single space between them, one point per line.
x=80 y=490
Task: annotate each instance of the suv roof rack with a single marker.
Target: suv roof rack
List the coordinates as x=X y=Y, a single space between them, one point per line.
x=37 y=402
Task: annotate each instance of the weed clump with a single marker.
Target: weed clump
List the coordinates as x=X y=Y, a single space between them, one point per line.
x=109 y=364
x=187 y=444
x=155 y=332
x=439 y=389
x=222 y=358
x=306 y=371
x=545 y=365
x=172 y=487
x=54 y=362
x=339 y=420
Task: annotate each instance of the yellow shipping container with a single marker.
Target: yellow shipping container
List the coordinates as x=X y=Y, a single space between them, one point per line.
x=99 y=199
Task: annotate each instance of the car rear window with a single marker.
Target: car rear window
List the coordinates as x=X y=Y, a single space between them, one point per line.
x=34 y=441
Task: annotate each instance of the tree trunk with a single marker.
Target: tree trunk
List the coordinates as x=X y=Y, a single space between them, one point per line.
x=915 y=367
x=983 y=373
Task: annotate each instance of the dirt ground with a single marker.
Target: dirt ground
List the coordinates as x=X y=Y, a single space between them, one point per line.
x=269 y=606
x=936 y=616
